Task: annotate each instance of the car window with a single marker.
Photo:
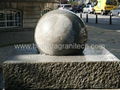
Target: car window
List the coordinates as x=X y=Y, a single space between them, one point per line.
x=111 y=2
x=87 y=6
x=67 y=6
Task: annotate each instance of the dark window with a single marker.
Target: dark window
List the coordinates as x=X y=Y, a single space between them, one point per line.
x=10 y=18
x=111 y=2
x=2 y=18
x=87 y=6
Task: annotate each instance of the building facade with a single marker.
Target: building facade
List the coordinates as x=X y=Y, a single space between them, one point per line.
x=23 y=14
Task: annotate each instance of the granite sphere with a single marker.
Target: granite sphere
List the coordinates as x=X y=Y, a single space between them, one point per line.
x=60 y=32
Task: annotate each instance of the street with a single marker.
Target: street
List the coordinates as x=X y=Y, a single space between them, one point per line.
x=102 y=19
x=103 y=33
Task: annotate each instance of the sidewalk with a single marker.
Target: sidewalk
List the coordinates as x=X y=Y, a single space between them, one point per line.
x=107 y=35
x=104 y=33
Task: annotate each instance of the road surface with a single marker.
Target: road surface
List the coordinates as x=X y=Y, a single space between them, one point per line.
x=102 y=19
x=103 y=33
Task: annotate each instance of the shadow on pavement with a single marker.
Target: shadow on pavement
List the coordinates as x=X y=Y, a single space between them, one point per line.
x=105 y=26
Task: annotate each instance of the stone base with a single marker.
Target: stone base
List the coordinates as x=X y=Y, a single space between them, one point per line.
x=93 y=71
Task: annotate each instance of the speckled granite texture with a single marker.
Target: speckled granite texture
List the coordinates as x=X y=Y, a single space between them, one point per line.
x=74 y=75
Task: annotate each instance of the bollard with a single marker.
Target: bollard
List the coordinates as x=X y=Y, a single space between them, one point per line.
x=87 y=18
x=110 y=19
x=80 y=15
x=96 y=19
x=118 y=13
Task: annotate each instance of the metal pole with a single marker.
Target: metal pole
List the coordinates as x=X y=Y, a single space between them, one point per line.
x=110 y=19
x=80 y=15
x=87 y=18
x=96 y=19
x=118 y=13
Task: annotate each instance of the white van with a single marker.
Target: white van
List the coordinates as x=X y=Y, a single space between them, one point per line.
x=88 y=9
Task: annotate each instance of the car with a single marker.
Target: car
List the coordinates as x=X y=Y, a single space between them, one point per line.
x=66 y=6
x=116 y=11
x=88 y=9
x=78 y=8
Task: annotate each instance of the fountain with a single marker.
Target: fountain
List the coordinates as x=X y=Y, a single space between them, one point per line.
x=63 y=61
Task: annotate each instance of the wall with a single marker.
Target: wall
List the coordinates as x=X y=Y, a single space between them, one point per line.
x=31 y=11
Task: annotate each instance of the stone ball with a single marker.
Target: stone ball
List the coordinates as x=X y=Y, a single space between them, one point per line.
x=60 y=32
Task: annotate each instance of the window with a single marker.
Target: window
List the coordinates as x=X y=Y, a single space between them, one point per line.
x=111 y=2
x=87 y=6
x=10 y=18
x=68 y=6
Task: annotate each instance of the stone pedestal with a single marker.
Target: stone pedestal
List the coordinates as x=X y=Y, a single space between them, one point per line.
x=97 y=69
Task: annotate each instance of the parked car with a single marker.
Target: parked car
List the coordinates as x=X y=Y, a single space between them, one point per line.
x=88 y=9
x=78 y=8
x=65 y=6
x=116 y=11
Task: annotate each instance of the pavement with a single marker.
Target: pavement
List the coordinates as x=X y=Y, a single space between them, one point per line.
x=103 y=33
x=107 y=37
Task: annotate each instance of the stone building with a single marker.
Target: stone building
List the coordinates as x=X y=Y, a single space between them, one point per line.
x=23 y=14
